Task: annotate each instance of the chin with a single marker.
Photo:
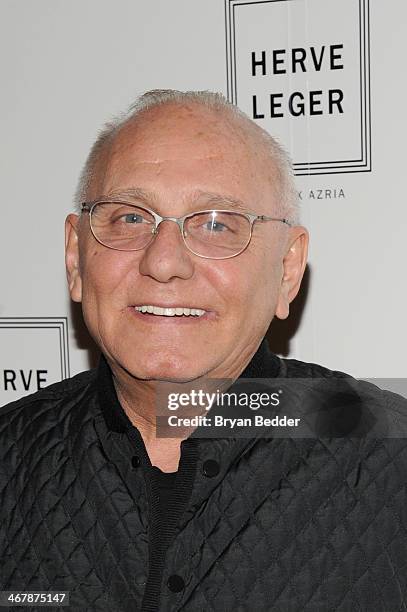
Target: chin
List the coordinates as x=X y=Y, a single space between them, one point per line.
x=172 y=368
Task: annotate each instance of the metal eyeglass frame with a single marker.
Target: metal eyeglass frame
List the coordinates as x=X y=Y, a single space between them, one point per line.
x=252 y=218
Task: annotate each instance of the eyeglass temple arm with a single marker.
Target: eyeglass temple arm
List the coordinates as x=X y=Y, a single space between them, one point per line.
x=265 y=218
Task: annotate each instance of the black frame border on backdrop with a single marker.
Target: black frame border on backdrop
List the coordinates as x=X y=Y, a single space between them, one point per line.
x=58 y=323
x=364 y=163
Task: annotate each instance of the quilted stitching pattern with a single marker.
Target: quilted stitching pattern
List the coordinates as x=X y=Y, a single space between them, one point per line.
x=69 y=521
x=287 y=525
x=301 y=525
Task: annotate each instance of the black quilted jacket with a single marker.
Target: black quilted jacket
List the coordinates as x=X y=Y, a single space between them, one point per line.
x=283 y=525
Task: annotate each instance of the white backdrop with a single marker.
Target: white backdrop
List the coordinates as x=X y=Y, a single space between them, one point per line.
x=67 y=66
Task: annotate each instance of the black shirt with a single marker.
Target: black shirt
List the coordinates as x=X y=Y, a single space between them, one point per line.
x=165 y=482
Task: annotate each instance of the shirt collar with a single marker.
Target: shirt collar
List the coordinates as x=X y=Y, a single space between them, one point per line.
x=264 y=364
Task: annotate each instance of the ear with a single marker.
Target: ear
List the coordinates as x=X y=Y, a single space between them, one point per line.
x=294 y=262
x=72 y=257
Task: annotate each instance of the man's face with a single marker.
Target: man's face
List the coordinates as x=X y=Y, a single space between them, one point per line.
x=180 y=157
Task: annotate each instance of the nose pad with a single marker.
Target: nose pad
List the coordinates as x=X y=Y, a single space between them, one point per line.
x=155 y=230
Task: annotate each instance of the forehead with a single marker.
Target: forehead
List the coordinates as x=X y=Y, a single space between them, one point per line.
x=193 y=125
x=189 y=147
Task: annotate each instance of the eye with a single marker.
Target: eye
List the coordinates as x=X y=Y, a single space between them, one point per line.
x=133 y=218
x=215 y=226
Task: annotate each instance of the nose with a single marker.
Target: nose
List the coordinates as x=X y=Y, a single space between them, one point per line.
x=166 y=256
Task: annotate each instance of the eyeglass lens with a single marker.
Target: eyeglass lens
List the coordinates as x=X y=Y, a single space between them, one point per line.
x=126 y=227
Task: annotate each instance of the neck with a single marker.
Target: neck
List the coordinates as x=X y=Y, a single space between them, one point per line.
x=139 y=400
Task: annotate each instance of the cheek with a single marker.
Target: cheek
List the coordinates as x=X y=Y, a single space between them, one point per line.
x=247 y=282
x=256 y=286
x=104 y=274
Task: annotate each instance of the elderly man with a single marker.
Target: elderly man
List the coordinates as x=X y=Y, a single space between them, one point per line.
x=185 y=245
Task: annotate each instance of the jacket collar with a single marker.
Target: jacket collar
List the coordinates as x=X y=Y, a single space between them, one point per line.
x=264 y=364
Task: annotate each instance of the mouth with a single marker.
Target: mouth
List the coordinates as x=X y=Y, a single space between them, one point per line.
x=173 y=311
x=172 y=314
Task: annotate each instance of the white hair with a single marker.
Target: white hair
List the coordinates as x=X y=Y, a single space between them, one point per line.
x=287 y=200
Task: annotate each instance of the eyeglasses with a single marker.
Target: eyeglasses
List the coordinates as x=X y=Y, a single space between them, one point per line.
x=212 y=234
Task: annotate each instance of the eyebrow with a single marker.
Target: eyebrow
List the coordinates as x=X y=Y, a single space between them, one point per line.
x=222 y=199
x=147 y=197
x=132 y=193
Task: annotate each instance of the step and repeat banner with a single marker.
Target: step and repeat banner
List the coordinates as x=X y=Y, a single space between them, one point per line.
x=325 y=77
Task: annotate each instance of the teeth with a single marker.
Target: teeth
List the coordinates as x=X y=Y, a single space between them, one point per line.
x=171 y=312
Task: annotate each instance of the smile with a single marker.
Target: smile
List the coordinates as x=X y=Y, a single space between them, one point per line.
x=177 y=311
